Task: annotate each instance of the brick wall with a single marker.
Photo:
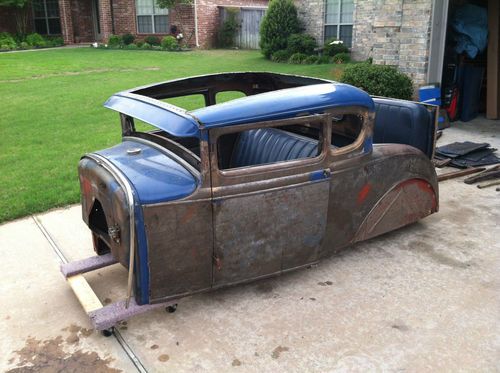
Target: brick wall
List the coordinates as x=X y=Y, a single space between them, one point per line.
x=7 y=20
x=208 y=17
x=83 y=24
x=394 y=32
x=312 y=16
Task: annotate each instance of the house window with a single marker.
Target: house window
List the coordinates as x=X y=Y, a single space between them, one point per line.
x=150 y=18
x=46 y=17
x=339 y=20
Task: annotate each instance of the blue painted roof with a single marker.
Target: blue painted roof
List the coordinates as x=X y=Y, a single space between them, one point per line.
x=279 y=104
x=283 y=104
x=155 y=176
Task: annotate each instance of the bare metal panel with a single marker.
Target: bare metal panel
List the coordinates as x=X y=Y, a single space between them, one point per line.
x=179 y=247
x=258 y=234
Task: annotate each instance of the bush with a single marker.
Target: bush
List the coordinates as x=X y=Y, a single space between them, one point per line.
x=7 y=41
x=301 y=43
x=169 y=43
x=128 y=39
x=146 y=46
x=297 y=58
x=36 y=40
x=24 y=45
x=55 y=42
x=341 y=58
x=139 y=43
x=229 y=29
x=131 y=46
x=152 y=40
x=115 y=41
x=379 y=80
x=324 y=59
x=333 y=49
x=278 y=24
x=281 y=56
x=311 y=60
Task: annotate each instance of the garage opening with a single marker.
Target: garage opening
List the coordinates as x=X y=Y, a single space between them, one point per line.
x=464 y=57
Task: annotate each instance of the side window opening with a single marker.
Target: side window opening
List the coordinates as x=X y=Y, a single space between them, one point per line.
x=269 y=145
x=346 y=129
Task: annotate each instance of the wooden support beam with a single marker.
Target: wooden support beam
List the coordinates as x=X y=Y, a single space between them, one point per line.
x=84 y=293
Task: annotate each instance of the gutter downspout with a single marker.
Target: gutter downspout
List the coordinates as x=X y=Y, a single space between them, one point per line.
x=196 y=24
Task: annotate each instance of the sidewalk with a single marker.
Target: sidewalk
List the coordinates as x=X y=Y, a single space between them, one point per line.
x=426 y=297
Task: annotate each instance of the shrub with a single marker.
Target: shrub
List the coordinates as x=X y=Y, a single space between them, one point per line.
x=55 y=42
x=115 y=41
x=169 y=43
x=24 y=45
x=152 y=40
x=331 y=49
x=341 y=58
x=36 y=40
x=131 y=46
x=323 y=59
x=146 y=46
x=281 y=56
x=311 y=60
x=379 y=80
x=301 y=43
x=297 y=58
x=139 y=43
x=229 y=29
x=7 y=41
x=278 y=24
x=128 y=39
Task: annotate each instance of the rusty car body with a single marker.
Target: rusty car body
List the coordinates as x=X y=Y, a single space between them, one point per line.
x=238 y=191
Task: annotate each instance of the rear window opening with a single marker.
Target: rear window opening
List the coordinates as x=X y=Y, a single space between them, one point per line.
x=187 y=148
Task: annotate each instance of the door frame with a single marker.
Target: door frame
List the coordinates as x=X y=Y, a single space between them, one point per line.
x=279 y=183
x=439 y=25
x=96 y=20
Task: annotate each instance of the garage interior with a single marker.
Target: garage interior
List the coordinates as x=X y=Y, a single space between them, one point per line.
x=468 y=78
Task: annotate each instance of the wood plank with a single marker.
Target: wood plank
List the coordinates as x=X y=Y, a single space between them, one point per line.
x=493 y=77
x=84 y=293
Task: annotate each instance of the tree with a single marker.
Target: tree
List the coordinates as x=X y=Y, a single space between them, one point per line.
x=171 y=3
x=21 y=8
x=279 y=23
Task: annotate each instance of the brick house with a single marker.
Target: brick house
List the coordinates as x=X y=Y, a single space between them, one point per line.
x=82 y=21
x=413 y=35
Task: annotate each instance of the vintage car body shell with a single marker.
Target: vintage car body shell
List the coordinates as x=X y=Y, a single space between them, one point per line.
x=200 y=229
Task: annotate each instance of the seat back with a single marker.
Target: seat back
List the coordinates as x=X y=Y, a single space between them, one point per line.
x=404 y=122
x=269 y=145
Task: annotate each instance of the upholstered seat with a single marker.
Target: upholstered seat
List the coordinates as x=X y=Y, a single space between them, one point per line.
x=404 y=122
x=269 y=145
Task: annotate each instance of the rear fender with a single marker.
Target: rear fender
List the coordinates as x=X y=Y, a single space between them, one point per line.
x=406 y=203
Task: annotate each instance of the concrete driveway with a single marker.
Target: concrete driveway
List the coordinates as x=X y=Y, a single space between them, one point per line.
x=426 y=297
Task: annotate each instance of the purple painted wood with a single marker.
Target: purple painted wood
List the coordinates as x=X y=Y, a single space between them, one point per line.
x=87 y=265
x=110 y=315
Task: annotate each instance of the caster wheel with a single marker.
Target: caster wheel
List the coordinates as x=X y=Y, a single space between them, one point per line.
x=108 y=332
x=172 y=308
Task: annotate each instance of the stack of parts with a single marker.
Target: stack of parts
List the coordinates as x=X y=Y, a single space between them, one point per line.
x=467 y=154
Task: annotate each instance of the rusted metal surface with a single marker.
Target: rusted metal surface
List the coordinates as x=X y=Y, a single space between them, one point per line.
x=247 y=223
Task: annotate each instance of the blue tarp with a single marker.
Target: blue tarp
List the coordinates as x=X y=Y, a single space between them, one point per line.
x=471 y=26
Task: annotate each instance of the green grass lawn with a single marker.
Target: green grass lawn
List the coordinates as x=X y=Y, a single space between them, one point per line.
x=52 y=113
